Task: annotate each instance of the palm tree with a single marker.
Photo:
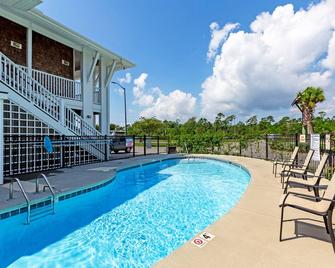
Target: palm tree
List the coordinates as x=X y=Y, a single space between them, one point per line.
x=306 y=101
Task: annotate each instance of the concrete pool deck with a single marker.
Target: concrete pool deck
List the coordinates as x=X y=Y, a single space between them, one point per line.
x=247 y=236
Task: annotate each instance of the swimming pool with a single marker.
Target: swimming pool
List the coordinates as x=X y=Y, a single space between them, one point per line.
x=138 y=219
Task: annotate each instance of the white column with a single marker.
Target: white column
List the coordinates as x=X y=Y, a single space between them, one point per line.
x=104 y=116
x=87 y=85
x=29 y=55
x=3 y=96
x=62 y=112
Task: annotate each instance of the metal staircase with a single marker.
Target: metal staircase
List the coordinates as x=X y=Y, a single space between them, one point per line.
x=48 y=107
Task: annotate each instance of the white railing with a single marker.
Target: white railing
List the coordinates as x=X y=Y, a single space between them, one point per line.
x=57 y=85
x=78 y=125
x=16 y=78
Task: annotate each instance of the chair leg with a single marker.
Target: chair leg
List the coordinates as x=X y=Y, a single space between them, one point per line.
x=281 y=224
x=326 y=223
x=273 y=167
x=316 y=192
x=330 y=228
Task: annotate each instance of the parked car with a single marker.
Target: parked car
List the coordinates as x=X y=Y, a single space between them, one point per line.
x=120 y=143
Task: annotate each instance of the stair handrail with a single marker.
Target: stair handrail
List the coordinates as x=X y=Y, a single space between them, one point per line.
x=37 y=93
x=81 y=125
x=11 y=195
x=44 y=177
x=69 y=113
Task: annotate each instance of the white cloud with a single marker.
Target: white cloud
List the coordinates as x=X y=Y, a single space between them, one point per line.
x=329 y=61
x=262 y=70
x=218 y=36
x=126 y=80
x=141 y=98
x=140 y=81
x=175 y=105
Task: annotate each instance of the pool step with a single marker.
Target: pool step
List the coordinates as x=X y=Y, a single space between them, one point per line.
x=36 y=210
x=41 y=212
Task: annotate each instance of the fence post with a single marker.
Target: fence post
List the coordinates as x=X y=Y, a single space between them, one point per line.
x=63 y=150
x=296 y=139
x=240 y=147
x=106 y=148
x=145 y=144
x=296 y=161
x=266 y=147
x=134 y=141
x=157 y=144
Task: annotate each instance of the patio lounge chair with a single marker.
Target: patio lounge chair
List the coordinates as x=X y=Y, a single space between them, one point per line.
x=320 y=206
x=311 y=180
x=292 y=170
x=289 y=161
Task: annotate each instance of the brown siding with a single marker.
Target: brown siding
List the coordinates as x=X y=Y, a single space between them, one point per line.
x=48 y=55
x=10 y=31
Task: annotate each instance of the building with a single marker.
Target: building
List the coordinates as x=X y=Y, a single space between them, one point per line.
x=53 y=81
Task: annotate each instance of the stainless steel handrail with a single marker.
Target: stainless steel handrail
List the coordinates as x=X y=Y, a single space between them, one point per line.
x=23 y=193
x=51 y=190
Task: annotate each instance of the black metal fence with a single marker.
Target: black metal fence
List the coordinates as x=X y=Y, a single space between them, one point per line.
x=268 y=147
x=27 y=154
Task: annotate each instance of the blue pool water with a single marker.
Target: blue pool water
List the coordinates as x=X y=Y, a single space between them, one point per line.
x=138 y=219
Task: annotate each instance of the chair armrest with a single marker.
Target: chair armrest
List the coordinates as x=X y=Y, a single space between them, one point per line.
x=290 y=165
x=310 y=196
x=320 y=186
x=313 y=176
x=297 y=173
x=286 y=162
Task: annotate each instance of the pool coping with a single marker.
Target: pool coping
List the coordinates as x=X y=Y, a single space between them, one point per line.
x=45 y=201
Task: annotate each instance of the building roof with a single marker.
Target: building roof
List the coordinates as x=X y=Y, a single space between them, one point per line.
x=24 y=11
x=21 y=4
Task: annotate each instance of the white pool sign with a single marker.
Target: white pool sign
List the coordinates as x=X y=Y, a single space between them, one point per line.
x=207 y=236
x=315 y=145
x=202 y=239
x=302 y=138
x=199 y=242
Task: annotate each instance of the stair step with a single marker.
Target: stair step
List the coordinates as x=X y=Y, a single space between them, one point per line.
x=37 y=214
x=38 y=217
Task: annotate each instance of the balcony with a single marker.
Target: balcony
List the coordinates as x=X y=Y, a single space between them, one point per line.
x=59 y=86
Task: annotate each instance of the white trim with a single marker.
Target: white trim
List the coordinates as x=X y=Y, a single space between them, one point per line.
x=22 y=4
x=3 y=96
x=29 y=49
x=110 y=74
x=94 y=63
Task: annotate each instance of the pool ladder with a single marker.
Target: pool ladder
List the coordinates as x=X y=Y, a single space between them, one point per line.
x=28 y=201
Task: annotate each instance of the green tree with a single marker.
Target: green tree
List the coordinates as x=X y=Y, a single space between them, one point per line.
x=147 y=126
x=219 y=122
x=307 y=100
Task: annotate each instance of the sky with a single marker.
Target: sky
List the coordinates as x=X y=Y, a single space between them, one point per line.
x=200 y=57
